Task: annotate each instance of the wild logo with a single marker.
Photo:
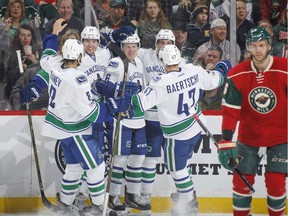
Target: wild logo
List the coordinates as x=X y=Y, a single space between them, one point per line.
x=262 y=99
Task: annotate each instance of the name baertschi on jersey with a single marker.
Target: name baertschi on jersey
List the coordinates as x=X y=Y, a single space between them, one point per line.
x=56 y=80
x=155 y=68
x=183 y=84
x=94 y=69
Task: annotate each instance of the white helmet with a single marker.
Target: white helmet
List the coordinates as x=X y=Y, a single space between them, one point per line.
x=90 y=32
x=169 y=55
x=165 y=34
x=72 y=49
x=131 y=40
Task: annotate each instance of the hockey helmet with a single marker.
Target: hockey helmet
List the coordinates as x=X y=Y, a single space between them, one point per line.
x=131 y=40
x=72 y=49
x=257 y=34
x=90 y=32
x=169 y=55
x=165 y=34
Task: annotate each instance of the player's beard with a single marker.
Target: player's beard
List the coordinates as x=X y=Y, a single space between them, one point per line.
x=260 y=59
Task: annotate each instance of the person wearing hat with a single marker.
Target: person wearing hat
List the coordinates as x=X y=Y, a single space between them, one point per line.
x=186 y=49
x=218 y=32
x=116 y=18
x=198 y=30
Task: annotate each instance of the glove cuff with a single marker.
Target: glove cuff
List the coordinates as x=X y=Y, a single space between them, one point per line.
x=110 y=35
x=227 y=134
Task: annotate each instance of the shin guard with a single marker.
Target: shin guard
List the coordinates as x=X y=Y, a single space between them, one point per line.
x=276 y=193
x=242 y=196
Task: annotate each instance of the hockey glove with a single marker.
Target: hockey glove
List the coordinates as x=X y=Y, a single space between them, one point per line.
x=130 y=88
x=223 y=67
x=104 y=39
x=116 y=105
x=228 y=154
x=104 y=88
x=30 y=92
x=120 y=34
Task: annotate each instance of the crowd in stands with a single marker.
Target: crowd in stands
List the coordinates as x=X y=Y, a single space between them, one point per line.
x=201 y=29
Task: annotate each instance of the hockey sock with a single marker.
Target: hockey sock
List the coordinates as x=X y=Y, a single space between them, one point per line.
x=276 y=189
x=242 y=196
x=133 y=173
x=183 y=184
x=148 y=174
x=117 y=175
x=96 y=184
x=70 y=183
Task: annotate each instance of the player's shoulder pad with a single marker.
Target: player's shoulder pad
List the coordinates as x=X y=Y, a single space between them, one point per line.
x=81 y=79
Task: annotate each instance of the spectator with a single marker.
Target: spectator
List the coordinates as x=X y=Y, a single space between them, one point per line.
x=185 y=9
x=218 y=31
x=181 y=34
x=14 y=17
x=151 y=22
x=198 y=30
x=102 y=9
x=65 y=10
x=24 y=37
x=280 y=38
x=116 y=17
x=273 y=10
x=30 y=8
x=243 y=25
x=212 y=99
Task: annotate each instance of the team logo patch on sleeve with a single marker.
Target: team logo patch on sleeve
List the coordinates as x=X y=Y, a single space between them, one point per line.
x=113 y=64
x=81 y=79
x=157 y=78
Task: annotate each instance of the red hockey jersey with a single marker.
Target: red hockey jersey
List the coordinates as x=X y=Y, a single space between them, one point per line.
x=259 y=101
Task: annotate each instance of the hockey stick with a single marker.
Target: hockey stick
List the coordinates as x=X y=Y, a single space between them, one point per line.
x=116 y=50
x=205 y=129
x=94 y=15
x=44 y=199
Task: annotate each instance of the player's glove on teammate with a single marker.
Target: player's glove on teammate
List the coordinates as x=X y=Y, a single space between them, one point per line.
x=119 y=104
x=109 y=89
x=30 y=92
x=121 y=33
x=227 y=150
x=223 y=67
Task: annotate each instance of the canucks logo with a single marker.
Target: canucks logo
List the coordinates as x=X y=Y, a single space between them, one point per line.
x=262 y=99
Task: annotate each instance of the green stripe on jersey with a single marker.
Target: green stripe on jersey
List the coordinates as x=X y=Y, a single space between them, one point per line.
x=180 y=126
x=48 y=52
x=44 y=75
x=73 y=127
x=233 y=96
x=138 y=112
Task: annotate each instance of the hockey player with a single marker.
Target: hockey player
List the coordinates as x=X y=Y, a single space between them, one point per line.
x=256 y=96
x=132 y=138
x=153 y=68
x=176 y=94
x=69 y=118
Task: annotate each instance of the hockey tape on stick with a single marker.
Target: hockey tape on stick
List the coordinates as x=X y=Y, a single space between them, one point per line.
x=205 y=129
x=18 y=53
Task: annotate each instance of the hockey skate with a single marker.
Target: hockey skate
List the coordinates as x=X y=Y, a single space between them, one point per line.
x=115 y=204
x=182 y=209
x=95 y=210
x=136 y=201
x=64 y=209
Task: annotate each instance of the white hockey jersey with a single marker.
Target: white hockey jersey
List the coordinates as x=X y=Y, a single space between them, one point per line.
x=152 y=68
x=115 y=73
x=176 y=95
x=71 y=109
